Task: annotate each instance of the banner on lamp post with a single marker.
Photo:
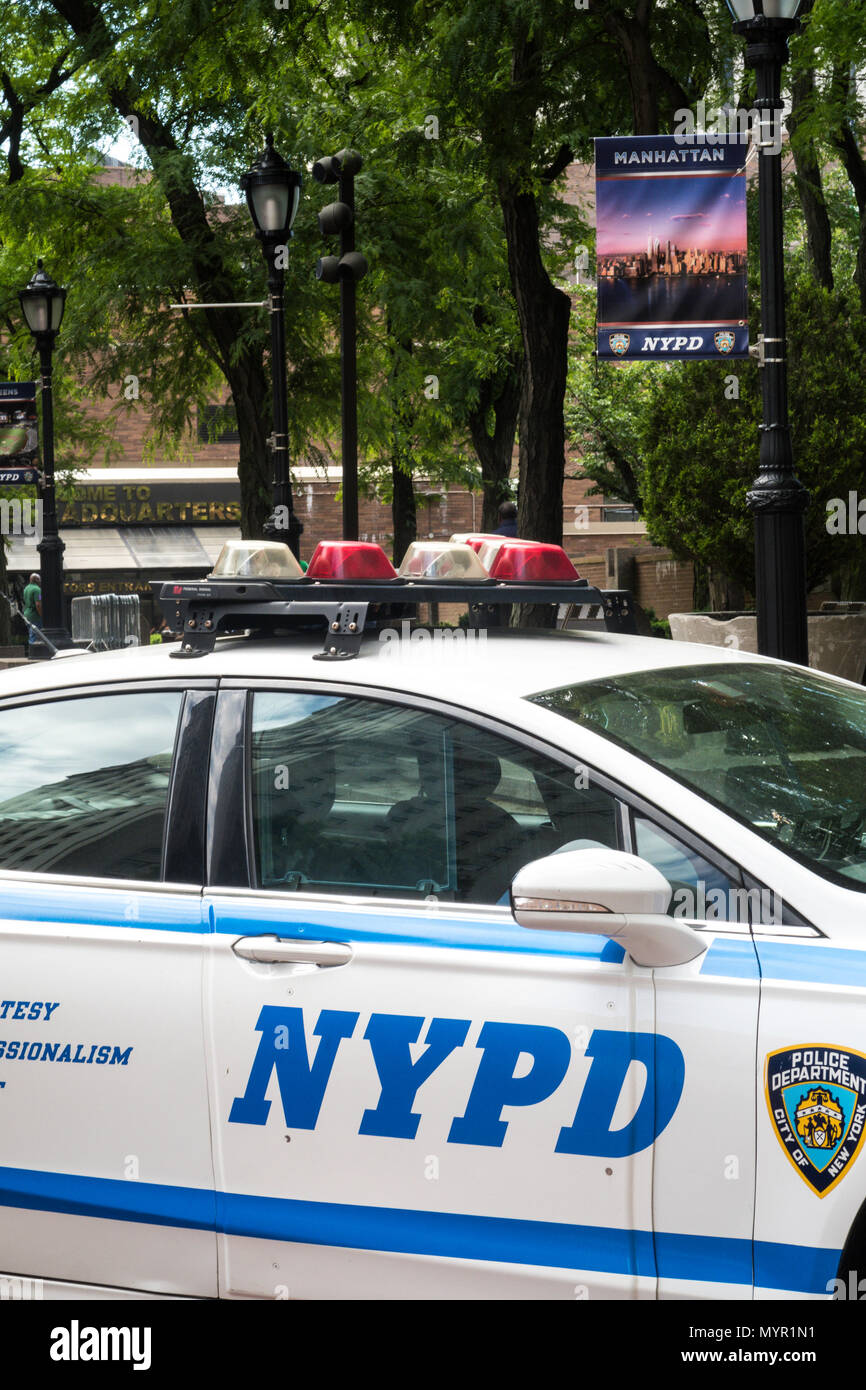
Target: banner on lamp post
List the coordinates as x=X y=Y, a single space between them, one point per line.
x=19 y=433
x=671 y=247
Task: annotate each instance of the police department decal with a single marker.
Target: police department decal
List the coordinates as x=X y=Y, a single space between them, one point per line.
x=816 y=1095
x=725 y=342
x=620 y=343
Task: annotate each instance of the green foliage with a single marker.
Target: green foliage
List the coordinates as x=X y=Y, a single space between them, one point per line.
x=660 y=626
x=433 y=238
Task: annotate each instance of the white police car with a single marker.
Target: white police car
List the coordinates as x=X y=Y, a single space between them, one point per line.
x=504 y=966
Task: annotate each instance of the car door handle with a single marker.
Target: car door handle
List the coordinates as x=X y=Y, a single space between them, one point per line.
x=277 y=950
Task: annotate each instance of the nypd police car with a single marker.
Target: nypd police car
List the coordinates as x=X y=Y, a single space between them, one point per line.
x=460 y=965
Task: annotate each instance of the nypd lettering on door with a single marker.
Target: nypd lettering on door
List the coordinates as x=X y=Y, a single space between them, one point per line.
x=302 y=1080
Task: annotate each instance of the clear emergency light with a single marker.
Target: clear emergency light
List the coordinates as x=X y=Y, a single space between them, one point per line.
x=442 y=560
x=256 y=560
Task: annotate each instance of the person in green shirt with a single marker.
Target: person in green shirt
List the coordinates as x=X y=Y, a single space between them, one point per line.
x=32 y=606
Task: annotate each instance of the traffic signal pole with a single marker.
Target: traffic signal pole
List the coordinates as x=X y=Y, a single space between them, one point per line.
x=348 y=268
x=349 y=366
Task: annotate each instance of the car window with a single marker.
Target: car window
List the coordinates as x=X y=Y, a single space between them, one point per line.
x=363 y=796
x=700 y=891
x=84 y=783
x=781 y=750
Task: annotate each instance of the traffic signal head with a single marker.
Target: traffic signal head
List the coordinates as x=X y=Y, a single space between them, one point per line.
x=331 y=269
x=348 y=162
x=329 y=169
x=326 y=170
x=336 y=217
x=352 y=266
x=328 y=269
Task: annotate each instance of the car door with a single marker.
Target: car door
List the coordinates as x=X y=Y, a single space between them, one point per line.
x=811 y=1068
x=704 y=1171
x=105 y=1162
x=412 y=1095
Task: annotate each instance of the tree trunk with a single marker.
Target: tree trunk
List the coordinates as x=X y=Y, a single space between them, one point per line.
x=253 y=411
x=810 y=185
x=650 y=83
x=543 y=312
x=726 y=595
x=403 y=510
x=495 y=450
x=848 y=148
x=855 y=167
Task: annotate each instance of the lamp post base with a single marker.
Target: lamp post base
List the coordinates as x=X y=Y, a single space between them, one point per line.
x=780 y=572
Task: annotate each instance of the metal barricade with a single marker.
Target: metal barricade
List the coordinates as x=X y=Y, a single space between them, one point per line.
x=107 y=621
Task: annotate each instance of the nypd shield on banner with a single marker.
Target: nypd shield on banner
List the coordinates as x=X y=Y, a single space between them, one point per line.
x=816 y=1095
x=671 y=247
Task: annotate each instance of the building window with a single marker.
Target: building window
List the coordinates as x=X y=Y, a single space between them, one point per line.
x=217 y=424
x=618 y=511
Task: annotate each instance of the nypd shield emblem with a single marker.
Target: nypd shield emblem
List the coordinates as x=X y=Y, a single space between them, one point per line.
x=725 y=342
x=816 y=1095
x=619 y=343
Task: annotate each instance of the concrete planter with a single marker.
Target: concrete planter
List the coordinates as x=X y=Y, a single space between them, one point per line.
x=837 y=636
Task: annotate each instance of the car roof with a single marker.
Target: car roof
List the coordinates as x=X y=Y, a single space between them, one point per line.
x=492 y=664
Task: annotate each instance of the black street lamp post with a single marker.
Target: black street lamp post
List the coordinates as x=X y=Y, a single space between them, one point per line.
x=273 y=191
x=42 y=303
x=347 y=268
x=777 y=498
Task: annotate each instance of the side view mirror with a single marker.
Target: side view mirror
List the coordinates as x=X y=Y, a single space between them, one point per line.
x=605 y=893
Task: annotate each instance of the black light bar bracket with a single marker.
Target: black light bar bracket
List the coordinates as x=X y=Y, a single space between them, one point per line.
x=202 y=609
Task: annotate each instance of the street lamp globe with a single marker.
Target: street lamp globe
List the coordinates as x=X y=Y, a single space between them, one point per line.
x=42 y=303
x=273 y=192
x=746 y=11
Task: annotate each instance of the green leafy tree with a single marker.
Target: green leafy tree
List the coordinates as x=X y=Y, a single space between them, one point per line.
x=680 y=440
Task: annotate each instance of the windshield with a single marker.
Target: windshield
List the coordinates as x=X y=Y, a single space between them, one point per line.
x=782 y=750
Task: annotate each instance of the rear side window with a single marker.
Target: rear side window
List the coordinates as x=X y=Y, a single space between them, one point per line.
x=354 y=795
x=84 y=784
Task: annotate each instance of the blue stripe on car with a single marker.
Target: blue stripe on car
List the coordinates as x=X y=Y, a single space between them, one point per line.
x=428 y=926
x=611 y=1250
x=797 y=961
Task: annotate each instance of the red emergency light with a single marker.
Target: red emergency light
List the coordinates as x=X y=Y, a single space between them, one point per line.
x=350 y=560
x=531 y=562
